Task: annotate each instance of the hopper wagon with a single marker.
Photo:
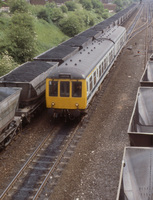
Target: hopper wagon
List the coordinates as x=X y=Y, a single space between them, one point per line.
x=9 y=98
x=140 y=128
x=31 y=78
x=136 y=174
x=147 y=77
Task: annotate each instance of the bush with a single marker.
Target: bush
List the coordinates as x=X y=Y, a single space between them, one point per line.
x=71 y=5
x=64 y=9
x=18 y=5
x=55 y=14
x=70 y=25
x=6 y=64
x=43 y=14
x=86 y=4
x=85 y=18
x=22 y=37
x=105 y=15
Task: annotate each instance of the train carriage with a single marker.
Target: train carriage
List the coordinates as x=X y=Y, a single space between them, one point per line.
x=71 y=86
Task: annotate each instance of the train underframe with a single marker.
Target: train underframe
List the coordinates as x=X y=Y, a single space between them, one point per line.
x=7 y=134
x=70 y=114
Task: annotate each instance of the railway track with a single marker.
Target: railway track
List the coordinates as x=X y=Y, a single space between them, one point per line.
x=51 y=155
x=133 y=31
x=47 y=162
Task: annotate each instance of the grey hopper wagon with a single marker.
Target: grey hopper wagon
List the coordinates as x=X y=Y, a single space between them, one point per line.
x=9 y=98
x=57 y=54
x=147 y=77
x=78 y=41
x=31 y=77
x=136 y=175
x=140 y=128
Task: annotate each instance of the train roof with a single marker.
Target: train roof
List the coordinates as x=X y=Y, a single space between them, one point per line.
x=83 y=62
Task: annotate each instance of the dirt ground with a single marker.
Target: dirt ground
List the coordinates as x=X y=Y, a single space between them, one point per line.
x=94 y=169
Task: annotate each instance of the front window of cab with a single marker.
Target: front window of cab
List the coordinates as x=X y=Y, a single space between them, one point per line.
x=76 y=89
x=53 y=88
x=64 y=89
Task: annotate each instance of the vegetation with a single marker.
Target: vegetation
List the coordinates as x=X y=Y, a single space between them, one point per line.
x=121 y=4
x=29 y=30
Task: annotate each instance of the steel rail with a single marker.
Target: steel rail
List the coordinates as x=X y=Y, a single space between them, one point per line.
x=25 y=165
x=133 y=23
x=53 y=168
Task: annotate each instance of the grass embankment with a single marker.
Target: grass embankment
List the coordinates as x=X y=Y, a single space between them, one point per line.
x=48 y=35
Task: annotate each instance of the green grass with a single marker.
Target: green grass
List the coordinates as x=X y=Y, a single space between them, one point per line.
x=48 y=35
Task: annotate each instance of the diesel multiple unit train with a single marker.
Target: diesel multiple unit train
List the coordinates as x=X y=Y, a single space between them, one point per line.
x=71 y=86
x=69 y=73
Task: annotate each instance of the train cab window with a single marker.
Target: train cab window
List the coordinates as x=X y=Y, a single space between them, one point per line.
x=64 y=89
x=76 y=89
x=53 y=88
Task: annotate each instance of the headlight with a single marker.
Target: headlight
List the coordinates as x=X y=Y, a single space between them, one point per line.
x=77 y=105
x=53 y=103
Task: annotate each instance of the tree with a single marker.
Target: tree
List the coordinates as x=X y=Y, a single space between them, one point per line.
x=71 y=5
x=43 y=14
x=105 y=15
x=2 y=3
x=6 y=64
x=64 y=9
x=22 y=38
x=86 y=4
x=119 y=4
x=56 y=14
x=70 y=25
x=18 y=6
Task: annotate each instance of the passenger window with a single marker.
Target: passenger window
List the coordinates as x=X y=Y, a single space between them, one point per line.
x=94 y=78
x=64 y=89
x=53 y=88
x=90 y=83
x=102 y=67
x=99 y=71
x=76 y=89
